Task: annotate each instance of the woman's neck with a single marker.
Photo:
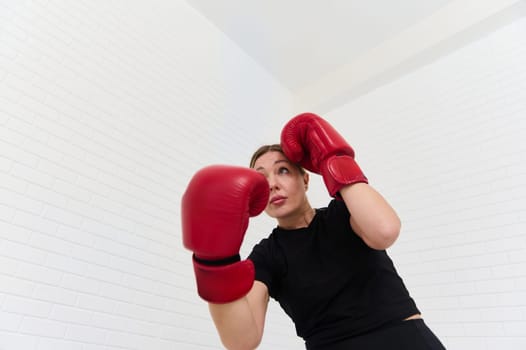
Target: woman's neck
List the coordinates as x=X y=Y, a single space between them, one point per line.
x=298 y=219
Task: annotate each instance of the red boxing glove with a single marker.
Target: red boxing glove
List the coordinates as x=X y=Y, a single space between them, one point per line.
x=312 y=142
x=215 y=211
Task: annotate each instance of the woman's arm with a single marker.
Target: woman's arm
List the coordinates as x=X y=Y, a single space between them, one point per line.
x=240 y=323
x=312 y=142
x=372 y=218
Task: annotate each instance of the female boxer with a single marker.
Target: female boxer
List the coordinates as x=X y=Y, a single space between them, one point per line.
x=326 y=267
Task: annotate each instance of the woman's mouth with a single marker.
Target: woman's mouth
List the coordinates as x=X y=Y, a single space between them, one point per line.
x=277 y=200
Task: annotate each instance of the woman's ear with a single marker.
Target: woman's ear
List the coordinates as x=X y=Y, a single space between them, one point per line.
x=306 y=180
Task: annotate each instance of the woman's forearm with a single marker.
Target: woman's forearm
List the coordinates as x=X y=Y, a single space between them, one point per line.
x=372 y=218
x=240 y=323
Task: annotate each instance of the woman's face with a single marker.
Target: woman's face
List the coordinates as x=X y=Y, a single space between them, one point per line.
x=287 y=185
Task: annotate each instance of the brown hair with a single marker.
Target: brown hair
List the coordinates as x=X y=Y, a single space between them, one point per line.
x=271 y=148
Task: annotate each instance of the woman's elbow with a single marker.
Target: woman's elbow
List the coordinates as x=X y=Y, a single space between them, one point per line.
x=241 y=344
x=385 y=235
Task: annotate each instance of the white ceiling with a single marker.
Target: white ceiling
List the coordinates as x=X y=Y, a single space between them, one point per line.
x=310 y=45
x=298 y=41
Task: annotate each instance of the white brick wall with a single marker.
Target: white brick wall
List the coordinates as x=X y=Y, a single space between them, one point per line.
x=106 y=110
x=446 y=145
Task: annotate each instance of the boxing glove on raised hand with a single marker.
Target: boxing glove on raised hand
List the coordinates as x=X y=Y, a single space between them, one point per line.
x=312 y=142
x=215 y=212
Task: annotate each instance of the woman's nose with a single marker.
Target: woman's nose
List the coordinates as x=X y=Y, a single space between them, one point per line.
x=272 y=182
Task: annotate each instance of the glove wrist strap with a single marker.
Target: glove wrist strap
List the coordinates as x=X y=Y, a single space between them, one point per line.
x=224 y=283
x=340 y=171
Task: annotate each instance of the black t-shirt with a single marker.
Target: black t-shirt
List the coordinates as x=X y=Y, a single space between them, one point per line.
x=331 y=284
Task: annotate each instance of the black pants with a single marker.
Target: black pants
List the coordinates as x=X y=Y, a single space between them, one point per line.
x=403 y=335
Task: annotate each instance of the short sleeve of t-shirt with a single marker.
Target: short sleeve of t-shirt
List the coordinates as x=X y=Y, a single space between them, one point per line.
x=259 y=256
x=264 y=257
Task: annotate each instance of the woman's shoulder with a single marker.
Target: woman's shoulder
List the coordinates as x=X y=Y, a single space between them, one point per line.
x=334 y=208
x=265 y=243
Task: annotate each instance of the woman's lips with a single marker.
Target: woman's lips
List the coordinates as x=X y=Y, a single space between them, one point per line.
x=277 y=200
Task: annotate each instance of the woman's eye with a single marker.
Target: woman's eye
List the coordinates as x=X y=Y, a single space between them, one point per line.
x=283 y=170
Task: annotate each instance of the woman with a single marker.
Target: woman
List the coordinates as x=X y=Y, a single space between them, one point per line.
x=327 y=268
